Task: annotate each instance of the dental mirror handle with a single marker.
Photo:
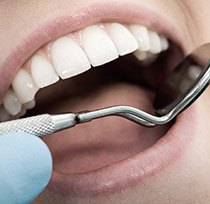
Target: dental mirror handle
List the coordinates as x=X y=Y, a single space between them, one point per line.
x=40 y=125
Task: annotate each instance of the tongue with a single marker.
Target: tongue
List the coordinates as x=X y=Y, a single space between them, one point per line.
x=99 y=143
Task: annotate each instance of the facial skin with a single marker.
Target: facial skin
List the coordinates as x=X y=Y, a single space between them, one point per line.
x=188 y=179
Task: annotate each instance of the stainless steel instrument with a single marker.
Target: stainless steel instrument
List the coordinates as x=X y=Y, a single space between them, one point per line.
x=185 y=84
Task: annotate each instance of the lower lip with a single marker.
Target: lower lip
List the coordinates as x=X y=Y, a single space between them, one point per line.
x=132 y=171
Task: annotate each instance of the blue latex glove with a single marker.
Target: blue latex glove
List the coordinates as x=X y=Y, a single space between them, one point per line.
x=25 y=168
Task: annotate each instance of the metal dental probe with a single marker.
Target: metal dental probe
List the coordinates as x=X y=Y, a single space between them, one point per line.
x=46 y=124
x=186 y=83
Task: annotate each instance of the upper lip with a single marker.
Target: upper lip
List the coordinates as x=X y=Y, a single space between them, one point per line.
x=77 y=19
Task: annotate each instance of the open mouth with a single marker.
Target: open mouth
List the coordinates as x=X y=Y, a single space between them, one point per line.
x=103 y=65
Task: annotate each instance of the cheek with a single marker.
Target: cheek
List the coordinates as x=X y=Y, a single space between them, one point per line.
x=187 y=181
x=197 y=15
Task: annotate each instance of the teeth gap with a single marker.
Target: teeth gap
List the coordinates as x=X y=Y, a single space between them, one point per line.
x=76 y=53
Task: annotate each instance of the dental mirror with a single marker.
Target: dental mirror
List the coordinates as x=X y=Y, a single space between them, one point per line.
x=189 y=77
x=182 y=87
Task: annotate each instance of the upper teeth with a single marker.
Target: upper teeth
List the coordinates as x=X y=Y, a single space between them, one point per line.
x=73 y=54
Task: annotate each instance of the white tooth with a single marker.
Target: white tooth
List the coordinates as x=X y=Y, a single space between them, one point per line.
x=140 y=55
x=4 y=115
x=43 y=72
x=24 y=86
x=29 y=105
x=164 y=43
x=11 y=103
x=98 y=46
x=142 y=36
x=155 y=45
x=194 y=72
x=22 y=113
x=122 y=38
x=68 y=58
x=146 y=57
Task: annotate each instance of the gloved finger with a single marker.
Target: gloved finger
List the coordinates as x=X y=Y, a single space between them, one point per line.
x=25 y=167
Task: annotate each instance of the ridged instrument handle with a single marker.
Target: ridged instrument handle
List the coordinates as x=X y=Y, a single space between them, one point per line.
x=37 y=125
